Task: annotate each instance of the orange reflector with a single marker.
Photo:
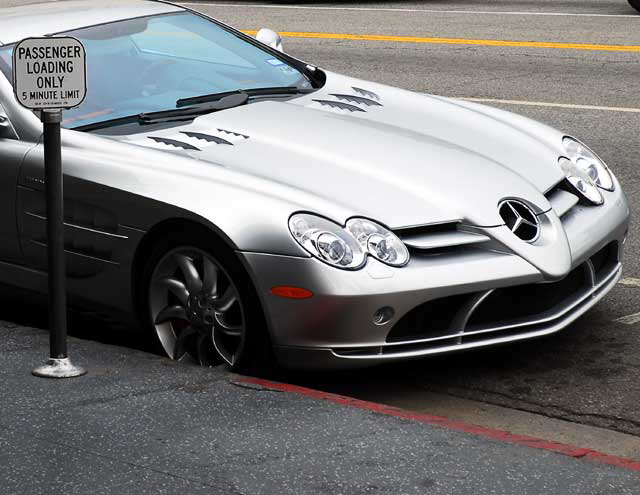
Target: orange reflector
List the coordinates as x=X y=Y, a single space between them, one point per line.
x=291 y=292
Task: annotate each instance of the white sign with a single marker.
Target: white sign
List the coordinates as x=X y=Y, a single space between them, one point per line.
x=49 y=73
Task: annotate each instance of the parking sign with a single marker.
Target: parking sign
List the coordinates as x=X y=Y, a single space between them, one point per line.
x=49 y=73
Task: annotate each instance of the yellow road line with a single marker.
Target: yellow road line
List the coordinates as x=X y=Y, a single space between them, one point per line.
x=460 y=41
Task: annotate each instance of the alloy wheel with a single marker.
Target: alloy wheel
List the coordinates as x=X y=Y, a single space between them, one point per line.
x=196 y=308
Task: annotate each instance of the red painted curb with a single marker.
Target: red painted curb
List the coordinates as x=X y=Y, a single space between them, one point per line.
x=500 y=435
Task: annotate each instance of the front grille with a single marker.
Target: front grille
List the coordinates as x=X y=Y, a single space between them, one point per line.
x=479 y=316
x=431 y=319
x=437 y=239
x=604 y=259
x=527 y=301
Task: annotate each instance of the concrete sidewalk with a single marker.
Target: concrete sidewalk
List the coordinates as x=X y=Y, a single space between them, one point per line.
x=138 y=423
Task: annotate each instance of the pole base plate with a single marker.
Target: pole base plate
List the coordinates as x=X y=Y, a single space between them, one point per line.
x=58 y=368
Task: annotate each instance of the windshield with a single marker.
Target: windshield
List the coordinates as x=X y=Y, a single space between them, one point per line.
x=147 y=64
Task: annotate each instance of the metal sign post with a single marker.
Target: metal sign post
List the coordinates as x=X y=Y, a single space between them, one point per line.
x=50 y=75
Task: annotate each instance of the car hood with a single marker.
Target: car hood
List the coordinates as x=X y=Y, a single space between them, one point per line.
x=402 y=158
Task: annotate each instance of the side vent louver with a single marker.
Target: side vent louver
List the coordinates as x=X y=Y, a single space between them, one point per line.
x=339 y=105
x=207 y=137
x=174 y=143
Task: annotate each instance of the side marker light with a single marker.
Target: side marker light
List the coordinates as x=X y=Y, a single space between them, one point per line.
x=291 y=292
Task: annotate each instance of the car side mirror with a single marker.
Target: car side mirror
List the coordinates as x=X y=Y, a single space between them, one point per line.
x=271 y=38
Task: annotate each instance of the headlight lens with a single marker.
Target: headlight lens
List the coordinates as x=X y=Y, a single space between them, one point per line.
x=581 y=181
x=327 y=241
x=379 y=242
x=589 y=163
x=334 y=249
x=347 y=247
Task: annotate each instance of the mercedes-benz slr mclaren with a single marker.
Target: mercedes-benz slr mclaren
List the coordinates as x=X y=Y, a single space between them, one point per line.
x=250 y=208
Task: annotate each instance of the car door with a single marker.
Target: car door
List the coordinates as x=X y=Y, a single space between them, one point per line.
x=99 y=248
x=12 y=153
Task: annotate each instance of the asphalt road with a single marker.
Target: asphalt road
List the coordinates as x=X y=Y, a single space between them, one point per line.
x=590 y=374
x=140 y=424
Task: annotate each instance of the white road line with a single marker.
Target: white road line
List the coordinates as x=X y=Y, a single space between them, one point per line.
x=634 y=318
x=630 y=282
x=553 y=105
x=629 y=319
x=428 y=11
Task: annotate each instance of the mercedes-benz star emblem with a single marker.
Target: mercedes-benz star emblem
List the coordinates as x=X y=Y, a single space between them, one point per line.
x=520 y=219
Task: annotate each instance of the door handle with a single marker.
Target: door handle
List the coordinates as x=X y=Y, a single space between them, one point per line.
x=4 y=121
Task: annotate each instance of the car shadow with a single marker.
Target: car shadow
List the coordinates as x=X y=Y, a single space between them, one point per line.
x=516 y=369
x=28 y=309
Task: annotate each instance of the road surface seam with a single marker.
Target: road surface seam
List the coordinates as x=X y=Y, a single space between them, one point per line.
x=105 y=400
x=545 y=407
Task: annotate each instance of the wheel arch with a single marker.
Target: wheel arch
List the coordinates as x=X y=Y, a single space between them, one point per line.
x=193 y=225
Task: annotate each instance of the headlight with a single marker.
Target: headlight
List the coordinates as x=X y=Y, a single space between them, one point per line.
x=379 y=242
x=581 y=181
x=327 y=241
x=347 y=247
x=589 y=163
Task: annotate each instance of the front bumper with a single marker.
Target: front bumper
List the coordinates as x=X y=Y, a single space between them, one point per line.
x=336 y=329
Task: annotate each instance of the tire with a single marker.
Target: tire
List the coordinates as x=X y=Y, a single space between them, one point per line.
x=635 y=4
x=211 y=315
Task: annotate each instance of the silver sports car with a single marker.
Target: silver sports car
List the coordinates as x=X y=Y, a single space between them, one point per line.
x=247 y=207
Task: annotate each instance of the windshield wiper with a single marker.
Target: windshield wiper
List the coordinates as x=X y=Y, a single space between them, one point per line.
x=277 y=91
x=230 y=100
x=189 y=108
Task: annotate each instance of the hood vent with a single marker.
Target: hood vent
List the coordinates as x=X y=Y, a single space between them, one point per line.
x=358 y=99
x=174 y=143
x=366 y=93
x=196 y=141
x=352 y=103
x=339 y=105
x=206 y=137
x=236 y=134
